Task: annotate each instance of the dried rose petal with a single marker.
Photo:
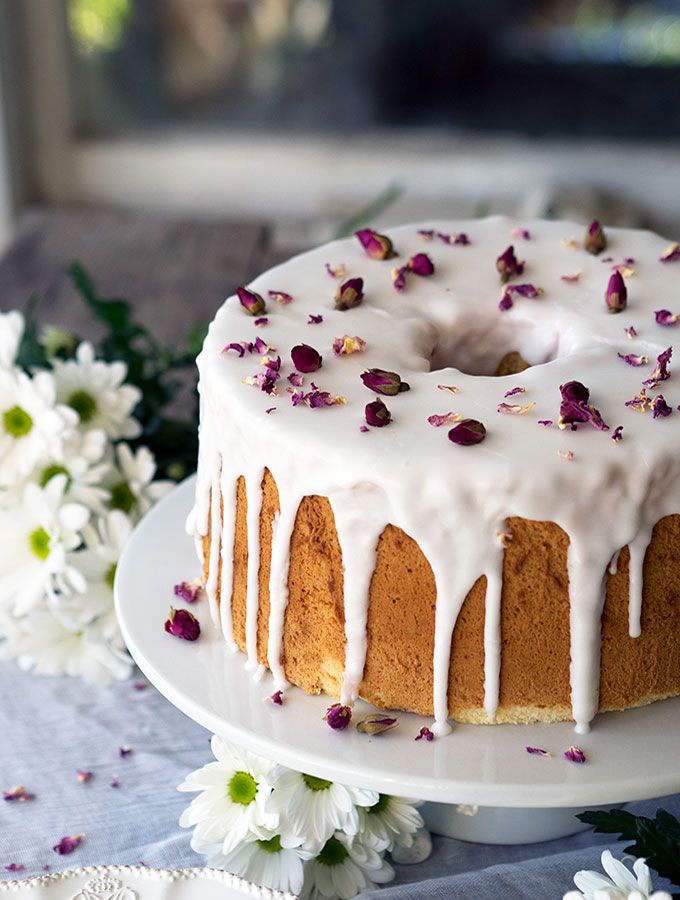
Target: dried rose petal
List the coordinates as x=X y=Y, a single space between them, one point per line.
x=633 y=359
x=421 y=264
x=427 y=234
x=83 y=775
x=189 y=591
x=461 y=240
x=399 y=278
x=17 y=793
x=270 y=410
x=258 y=323
x=305 y=358
x=515 y=409
x=521 y=233
x=571 y=243
x=666 y=317
x=252 y=303
x=69 y=843
x=140 y=685
x=349 y=294
x=573 y=278
x=525 y=290
x=364 y=429
x=547 y=422
x=447 y=419
x=575 y=754
x=641 y=403
x=124 y=752
x=575 y=391
x=505 y=303
x=630 y=332
x=338 y=716
x=336 y=271
x=617 y=434
x=239 y=348
x=660 y=409
x=276 y=698
x=377 y=414
x=467 y=432
x=182 y=624
x=616 y=296
x=315 y=399
x=115 y=782
x=346 y=345
x=537 y=751
x=377 y=724
x=515 y=390
x=566 y=454
x=296 y=379
x=575 y=409
x=314 y=319
x=670 y=254
x=595 y=240
x=624 y=270
x=383 y=382
x=14 y=867
x=660 y=372
x=377 y=246
x=280 y=297
x=424 y=734
x=451 y=388
x=508 y=266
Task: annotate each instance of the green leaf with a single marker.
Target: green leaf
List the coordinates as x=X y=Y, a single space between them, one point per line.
x=615 y=821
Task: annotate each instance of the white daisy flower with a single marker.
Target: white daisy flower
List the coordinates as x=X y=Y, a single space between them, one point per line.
x=40 y=643
x=274 y=862
x=343 y=868
x=85 y=469
x=389 y=823
x=32 y=425
x=131 y=483
x=95 y=390
x=11 y=331
x=97 y=562
x=232 y=802
x=315 y=807
x=621 y=884
x=35 y=540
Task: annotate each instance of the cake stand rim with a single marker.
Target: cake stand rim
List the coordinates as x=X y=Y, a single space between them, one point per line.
x=163 y=660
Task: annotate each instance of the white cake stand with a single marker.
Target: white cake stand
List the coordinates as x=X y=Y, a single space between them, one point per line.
x=481 y=783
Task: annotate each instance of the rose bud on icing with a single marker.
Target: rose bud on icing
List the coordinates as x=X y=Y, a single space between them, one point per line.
x=467 y=432
x=251 y=302
x=382 y=382
x=338 y=716
x=377 y=414
x=508 y=265
x=377 y=246
x=182 y=624
x=574 y=392
x=421 y=264
x=349 y=294
x=617 y=295
x=596 y=240
x=305 y=358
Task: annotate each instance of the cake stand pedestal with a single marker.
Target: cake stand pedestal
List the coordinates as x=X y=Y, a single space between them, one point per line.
x=480 y=782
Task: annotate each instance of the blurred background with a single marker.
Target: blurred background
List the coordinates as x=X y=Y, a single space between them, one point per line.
x=300 y=113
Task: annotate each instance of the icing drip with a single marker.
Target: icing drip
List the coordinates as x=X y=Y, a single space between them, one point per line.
x=447 y=330
x=358 y=535
x=215 y=544
x=228 y=491
x=254 y=506
x=282 y=530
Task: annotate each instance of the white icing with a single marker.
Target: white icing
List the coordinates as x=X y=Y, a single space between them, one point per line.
x=453 y=501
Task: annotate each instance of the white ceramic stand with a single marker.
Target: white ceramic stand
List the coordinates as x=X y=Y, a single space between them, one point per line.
x=520 y=798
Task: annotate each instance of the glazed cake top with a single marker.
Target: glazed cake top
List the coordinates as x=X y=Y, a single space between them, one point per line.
x=604 y=467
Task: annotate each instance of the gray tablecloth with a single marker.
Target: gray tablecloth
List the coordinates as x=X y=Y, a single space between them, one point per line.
x=50 y=727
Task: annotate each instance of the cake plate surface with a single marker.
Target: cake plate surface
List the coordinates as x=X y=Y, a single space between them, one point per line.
x=480 y=782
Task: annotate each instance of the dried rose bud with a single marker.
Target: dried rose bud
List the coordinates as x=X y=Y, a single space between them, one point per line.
x=68 y=844
x=338 y=716
x=595 y=240
x=305 y=358
x=377 y=246
x=377 y=724
x=377 y=414
x=575 y=392
x=382 y=382
x=666 y=317
x=421 y=264
x=182 y=624
x=508 y=265
x=575 y=754
x=189 y=591
x=467 y=432
x=424 y=734
x=349 y=294
x=616 y=296
x=251 y=302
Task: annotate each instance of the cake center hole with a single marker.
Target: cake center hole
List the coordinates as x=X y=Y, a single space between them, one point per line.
x=493 y=345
